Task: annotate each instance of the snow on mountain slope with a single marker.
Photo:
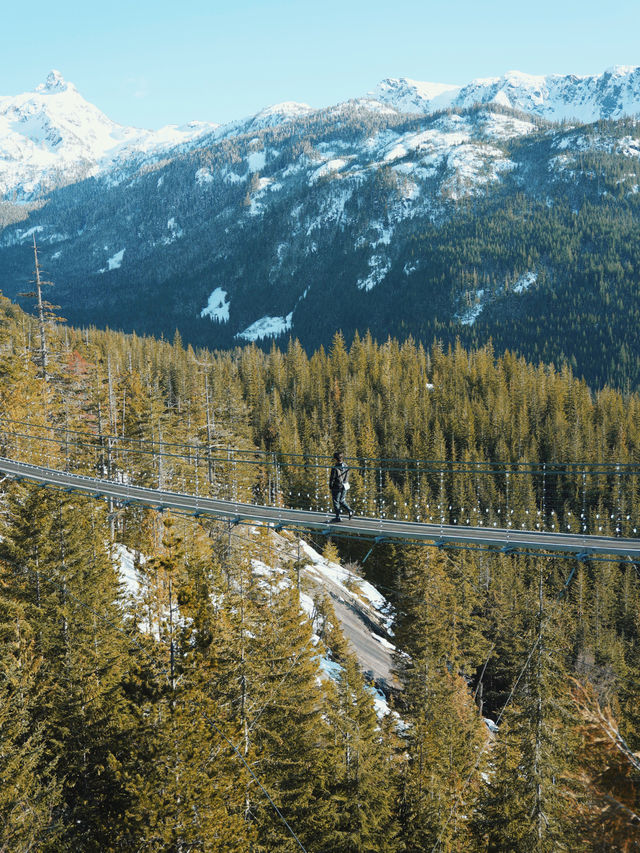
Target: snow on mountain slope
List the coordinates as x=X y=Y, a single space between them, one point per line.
x=610 y=95
x=53 y=136
x=243 y=229
x=304 y=183
x=277 y=114
x=412 y=96
x=272 y=116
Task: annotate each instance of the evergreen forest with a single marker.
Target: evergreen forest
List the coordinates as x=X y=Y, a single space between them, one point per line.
x=196 y=716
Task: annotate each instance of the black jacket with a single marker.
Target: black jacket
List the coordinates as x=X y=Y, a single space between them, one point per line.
x=338 y=477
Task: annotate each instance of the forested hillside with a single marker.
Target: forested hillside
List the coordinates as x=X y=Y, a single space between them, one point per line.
x=481 y=223
x=161 y=721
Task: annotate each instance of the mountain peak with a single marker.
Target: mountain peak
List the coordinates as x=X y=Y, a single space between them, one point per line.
x=55 y=82
x=411 y=96
x=610 y=95
x=621 y=70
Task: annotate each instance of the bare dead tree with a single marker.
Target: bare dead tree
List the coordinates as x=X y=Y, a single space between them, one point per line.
x=45 y=310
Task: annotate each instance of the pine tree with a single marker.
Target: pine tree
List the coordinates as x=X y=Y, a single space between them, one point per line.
x=607 y=807
x=285 y=722
x=29 y=790
x=362 y=771
x=523 y=807
x=187 y=783
x=445 y=737
x=57 y=568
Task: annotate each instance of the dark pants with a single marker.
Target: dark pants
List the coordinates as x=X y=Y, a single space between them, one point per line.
x=339 y=503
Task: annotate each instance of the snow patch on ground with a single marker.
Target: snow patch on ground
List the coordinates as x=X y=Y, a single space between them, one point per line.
x=380 y=702
x=410 y=190
x=125 y=560
x=473 y=166
x=331 y=167
x=385 y=234
x=481 y=298
x=629 y=147
x=306 y=603
x=500 y=126
x=256 y=161
x=267 y=327
x=331 y=209
x=379 y=266
x=525 y=282
x=217 y=308
x=175 y=232
x=114 y=262
x=204 y=176
x=20 y=234
x=471 y=314
x=255 y=206
x=493 y=728
x=383 y=641
x=330 y=668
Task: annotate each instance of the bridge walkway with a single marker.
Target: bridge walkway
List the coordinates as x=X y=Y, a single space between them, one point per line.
x=381 y=529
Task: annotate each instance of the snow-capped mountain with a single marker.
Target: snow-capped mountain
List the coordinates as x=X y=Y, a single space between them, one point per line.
x=386 y=212
x=268 y=117
x=611 y=95
x=412 y=96
x=53 y=136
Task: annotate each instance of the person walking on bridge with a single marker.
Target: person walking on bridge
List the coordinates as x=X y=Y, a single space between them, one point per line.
x=338 y=484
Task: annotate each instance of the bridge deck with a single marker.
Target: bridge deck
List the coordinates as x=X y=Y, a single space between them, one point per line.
x=383 y=528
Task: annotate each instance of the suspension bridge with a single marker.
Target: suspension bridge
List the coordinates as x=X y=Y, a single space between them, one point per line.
x=381 y=528
x=586 y=511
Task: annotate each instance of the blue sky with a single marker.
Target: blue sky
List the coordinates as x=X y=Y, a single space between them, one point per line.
x=153 y=63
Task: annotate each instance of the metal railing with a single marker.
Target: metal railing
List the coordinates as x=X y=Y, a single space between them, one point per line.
x=588 y=498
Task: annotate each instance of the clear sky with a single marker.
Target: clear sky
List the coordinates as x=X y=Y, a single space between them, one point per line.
x=152 y=62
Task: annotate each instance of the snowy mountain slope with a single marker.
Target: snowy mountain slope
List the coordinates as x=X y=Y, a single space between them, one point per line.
x=53 y=136
x=251 y=236
x=296 y=222
x=613 y=94
x=412 y=96
x=199 y=208
x=268 y=117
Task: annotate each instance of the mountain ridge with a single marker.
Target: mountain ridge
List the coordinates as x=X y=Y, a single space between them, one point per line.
x=53 y=136
x=475 y=222
x=556 y=97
